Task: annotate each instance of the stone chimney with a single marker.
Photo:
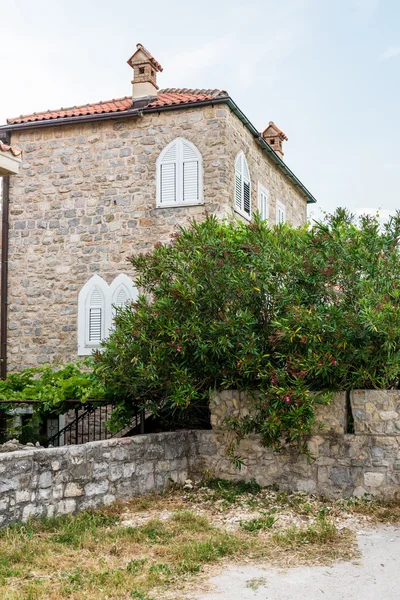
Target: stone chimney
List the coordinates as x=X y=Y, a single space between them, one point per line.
x=145 y=68
x=275 y=138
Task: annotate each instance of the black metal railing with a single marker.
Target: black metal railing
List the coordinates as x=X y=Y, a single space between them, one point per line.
x=89 y=425
x=84 y=423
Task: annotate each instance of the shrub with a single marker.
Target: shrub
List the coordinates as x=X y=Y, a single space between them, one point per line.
x=287 y=315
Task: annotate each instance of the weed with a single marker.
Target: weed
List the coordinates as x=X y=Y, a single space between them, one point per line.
x=256 y=583
x=135 y=565
x=322 y=532
x=259 y=523
x=138 y=596
x=230 y=490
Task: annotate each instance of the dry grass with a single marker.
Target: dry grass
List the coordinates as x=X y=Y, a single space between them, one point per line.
x=151 y=548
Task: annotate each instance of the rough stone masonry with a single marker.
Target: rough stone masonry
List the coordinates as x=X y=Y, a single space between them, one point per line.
x=47 y=482
x=85 y=200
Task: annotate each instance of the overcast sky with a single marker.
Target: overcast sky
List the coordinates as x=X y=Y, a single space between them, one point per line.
x=326 y=71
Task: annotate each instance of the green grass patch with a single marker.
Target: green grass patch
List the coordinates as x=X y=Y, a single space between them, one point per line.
x=258 y=523
x=229 y=491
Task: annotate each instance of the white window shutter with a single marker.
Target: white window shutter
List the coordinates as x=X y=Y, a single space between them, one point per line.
x=122 y=291
x=121 y=297
x=238 y=190
x=95 y=316
x=168 y=183
x=242 y=185
x=179 y=174
x=280 y=213
x=246 y=197
x=190 y=181
x=263 y=197
x=92 y=314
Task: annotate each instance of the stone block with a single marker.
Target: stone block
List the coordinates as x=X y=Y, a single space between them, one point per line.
x=67 y=506
x=72 y=490
x=375 y=411
x=45 y=479
x=96 y=488
x=333 y=416
x=373 y=479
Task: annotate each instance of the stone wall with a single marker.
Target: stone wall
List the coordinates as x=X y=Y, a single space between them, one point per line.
x=57 y=481
x=344 y=464
x=264 y=171
x=85 y=200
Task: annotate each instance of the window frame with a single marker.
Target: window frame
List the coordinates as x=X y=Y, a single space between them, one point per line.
x=179 y=173
x=282 y=207
x=241 y=155
x=108 y=293
x=263 y=190
x=121 y=281
x=85 y=347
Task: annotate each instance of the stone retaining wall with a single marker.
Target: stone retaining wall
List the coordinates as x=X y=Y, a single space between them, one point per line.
x=367 y=461
x=56 y=481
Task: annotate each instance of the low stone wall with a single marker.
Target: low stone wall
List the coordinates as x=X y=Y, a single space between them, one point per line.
x=57 y=481
x=367 y=461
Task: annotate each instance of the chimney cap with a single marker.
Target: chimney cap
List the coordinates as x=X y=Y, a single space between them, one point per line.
x=143 y=56
x=272 y=130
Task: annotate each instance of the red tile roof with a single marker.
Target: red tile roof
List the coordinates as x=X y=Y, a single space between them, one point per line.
x=13 y=149
x=166 y=97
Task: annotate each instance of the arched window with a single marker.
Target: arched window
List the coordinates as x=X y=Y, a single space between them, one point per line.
x=263 y=201
x=97 y=304
x=242 y=186
x=122 y=291
x=92 y=314
x=179 y=174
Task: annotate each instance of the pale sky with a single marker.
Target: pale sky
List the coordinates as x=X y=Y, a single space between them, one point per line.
x=327 y=72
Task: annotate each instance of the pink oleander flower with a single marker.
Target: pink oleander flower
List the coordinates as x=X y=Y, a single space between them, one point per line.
x=335 y=362
x=178 y=349
x=287 y=399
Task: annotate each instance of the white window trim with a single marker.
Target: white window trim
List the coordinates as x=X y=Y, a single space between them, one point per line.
x=282 y=207
x=179 y=175
x=240 y=210
x=126 y=282
x=85 y=348
x=263 y=190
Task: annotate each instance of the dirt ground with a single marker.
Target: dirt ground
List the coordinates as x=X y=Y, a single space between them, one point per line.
x=373 y=576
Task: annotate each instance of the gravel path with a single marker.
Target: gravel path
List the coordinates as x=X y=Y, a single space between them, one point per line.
x=375 y=576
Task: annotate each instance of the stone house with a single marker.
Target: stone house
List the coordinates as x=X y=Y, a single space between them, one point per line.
x=100 y=182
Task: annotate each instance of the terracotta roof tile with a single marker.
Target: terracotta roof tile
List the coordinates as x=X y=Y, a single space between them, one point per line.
x=166 y=97
x=13 y=149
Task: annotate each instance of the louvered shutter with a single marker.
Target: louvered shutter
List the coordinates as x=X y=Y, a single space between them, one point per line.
x=180 y=174
x=263 y=203
x=280 y=212
x=95 y=317
x=168 y=175
x=246 y=197
x=238 y=190
x=190 y=181
x=242 y=185
x=168 y=183
x=120 y=298
x=190 y=172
